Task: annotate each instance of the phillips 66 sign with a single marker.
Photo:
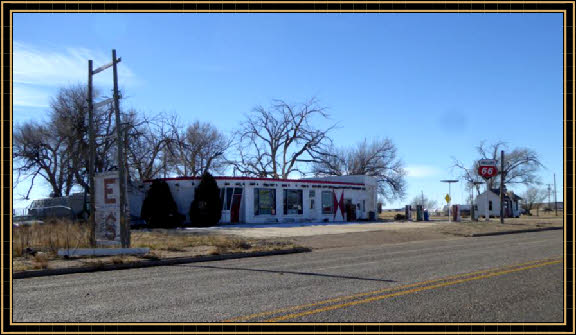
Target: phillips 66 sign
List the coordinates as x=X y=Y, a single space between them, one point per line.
x=487 y=168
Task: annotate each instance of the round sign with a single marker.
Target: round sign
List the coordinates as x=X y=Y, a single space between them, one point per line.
x=487 y=171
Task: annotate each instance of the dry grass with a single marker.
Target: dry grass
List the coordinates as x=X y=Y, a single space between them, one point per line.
x=166 y=240
x=50 y=236
x=47 y=238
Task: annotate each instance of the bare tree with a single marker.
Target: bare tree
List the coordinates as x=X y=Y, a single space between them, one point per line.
x=520 y=165
x=532 y=197
x=146 y=142
x=377 y=158
x=38 y=151
x=197 y=148
x=425 y=201
x=273 y=142
x=57 y=149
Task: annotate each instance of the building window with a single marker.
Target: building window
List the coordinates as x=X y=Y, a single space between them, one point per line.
x=312 y=196
x=226 y=196
x=292 y=202
x=327 y=202
x=490 y=205
x=264 y=201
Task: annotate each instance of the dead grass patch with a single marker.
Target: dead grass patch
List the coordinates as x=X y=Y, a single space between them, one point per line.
x=50 y=236
x=47 y=238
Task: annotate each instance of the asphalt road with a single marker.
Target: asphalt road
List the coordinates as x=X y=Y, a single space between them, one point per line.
x=507 y=278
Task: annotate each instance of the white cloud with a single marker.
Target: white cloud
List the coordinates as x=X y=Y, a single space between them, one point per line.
x=44 y=67
x=29 y=96
x=420 y=171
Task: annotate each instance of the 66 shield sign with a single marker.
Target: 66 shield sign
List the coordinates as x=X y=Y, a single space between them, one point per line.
x=487 y=171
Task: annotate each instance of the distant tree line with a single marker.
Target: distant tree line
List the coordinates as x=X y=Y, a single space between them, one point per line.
x=279 y=141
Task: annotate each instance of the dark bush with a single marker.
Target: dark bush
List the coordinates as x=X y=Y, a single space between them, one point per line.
x=206 y=209
x=159 y=208
x=400 y=217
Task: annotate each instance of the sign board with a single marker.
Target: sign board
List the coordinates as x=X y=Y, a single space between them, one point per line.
x=487 y=162
x=487 y=168
x=487 y=171
x=107 y=198
x=447 y=198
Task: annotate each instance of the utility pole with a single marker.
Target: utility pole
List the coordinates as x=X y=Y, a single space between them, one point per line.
x=502 y=186
x=124 y=229
x=555 y=200
x=549 y=205
x=92 y=158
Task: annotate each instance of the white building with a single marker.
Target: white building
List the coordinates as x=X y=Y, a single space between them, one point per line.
x=265 y=200
x=491 y=199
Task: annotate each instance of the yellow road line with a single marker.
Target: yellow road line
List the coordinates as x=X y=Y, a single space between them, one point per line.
x=358 y=295
x=380 y=297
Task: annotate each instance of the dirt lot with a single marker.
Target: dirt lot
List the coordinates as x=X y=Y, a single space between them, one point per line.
x=346 y=235
x=165 y=244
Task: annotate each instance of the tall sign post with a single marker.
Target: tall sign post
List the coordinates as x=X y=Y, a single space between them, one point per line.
x=449 y=198
x=487 y=169
x=120 y=200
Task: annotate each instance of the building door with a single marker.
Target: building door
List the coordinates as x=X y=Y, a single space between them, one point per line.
x=235 y=206
x=350 y=210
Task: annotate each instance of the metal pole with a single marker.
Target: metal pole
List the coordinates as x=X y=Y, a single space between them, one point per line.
x=555 y=200
x=487 y=211
x=92 y=158
x=124 y=229
x=502 y=186
x=449 y=204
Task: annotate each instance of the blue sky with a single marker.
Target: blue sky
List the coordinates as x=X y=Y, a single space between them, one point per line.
x=435 y=84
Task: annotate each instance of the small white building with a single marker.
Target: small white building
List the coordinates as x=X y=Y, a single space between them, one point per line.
x=491 y=199
x=266 y=200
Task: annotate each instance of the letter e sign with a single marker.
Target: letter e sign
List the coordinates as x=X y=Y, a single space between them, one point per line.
x=108 y=190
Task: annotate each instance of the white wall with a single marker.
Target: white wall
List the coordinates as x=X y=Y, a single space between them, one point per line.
x=183 y=194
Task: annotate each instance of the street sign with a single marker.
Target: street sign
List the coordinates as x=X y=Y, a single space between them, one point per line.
x=487 y=172
x=487 y=162
x=487 y=168
x=447 y=198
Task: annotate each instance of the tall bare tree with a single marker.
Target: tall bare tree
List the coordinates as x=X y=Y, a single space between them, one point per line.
x=377 y=158
x=520 y=165
x=196 y=148
x=57 y=149
x=38 y=151
x=274 y=141
x=146 y=140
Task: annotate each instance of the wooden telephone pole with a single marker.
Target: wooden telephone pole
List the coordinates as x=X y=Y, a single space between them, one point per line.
x=92 y=159
x=124 y=228
x=124 y=222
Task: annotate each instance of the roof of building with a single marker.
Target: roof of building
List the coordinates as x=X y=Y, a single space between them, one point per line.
x=506 y=194
x=312 y=181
